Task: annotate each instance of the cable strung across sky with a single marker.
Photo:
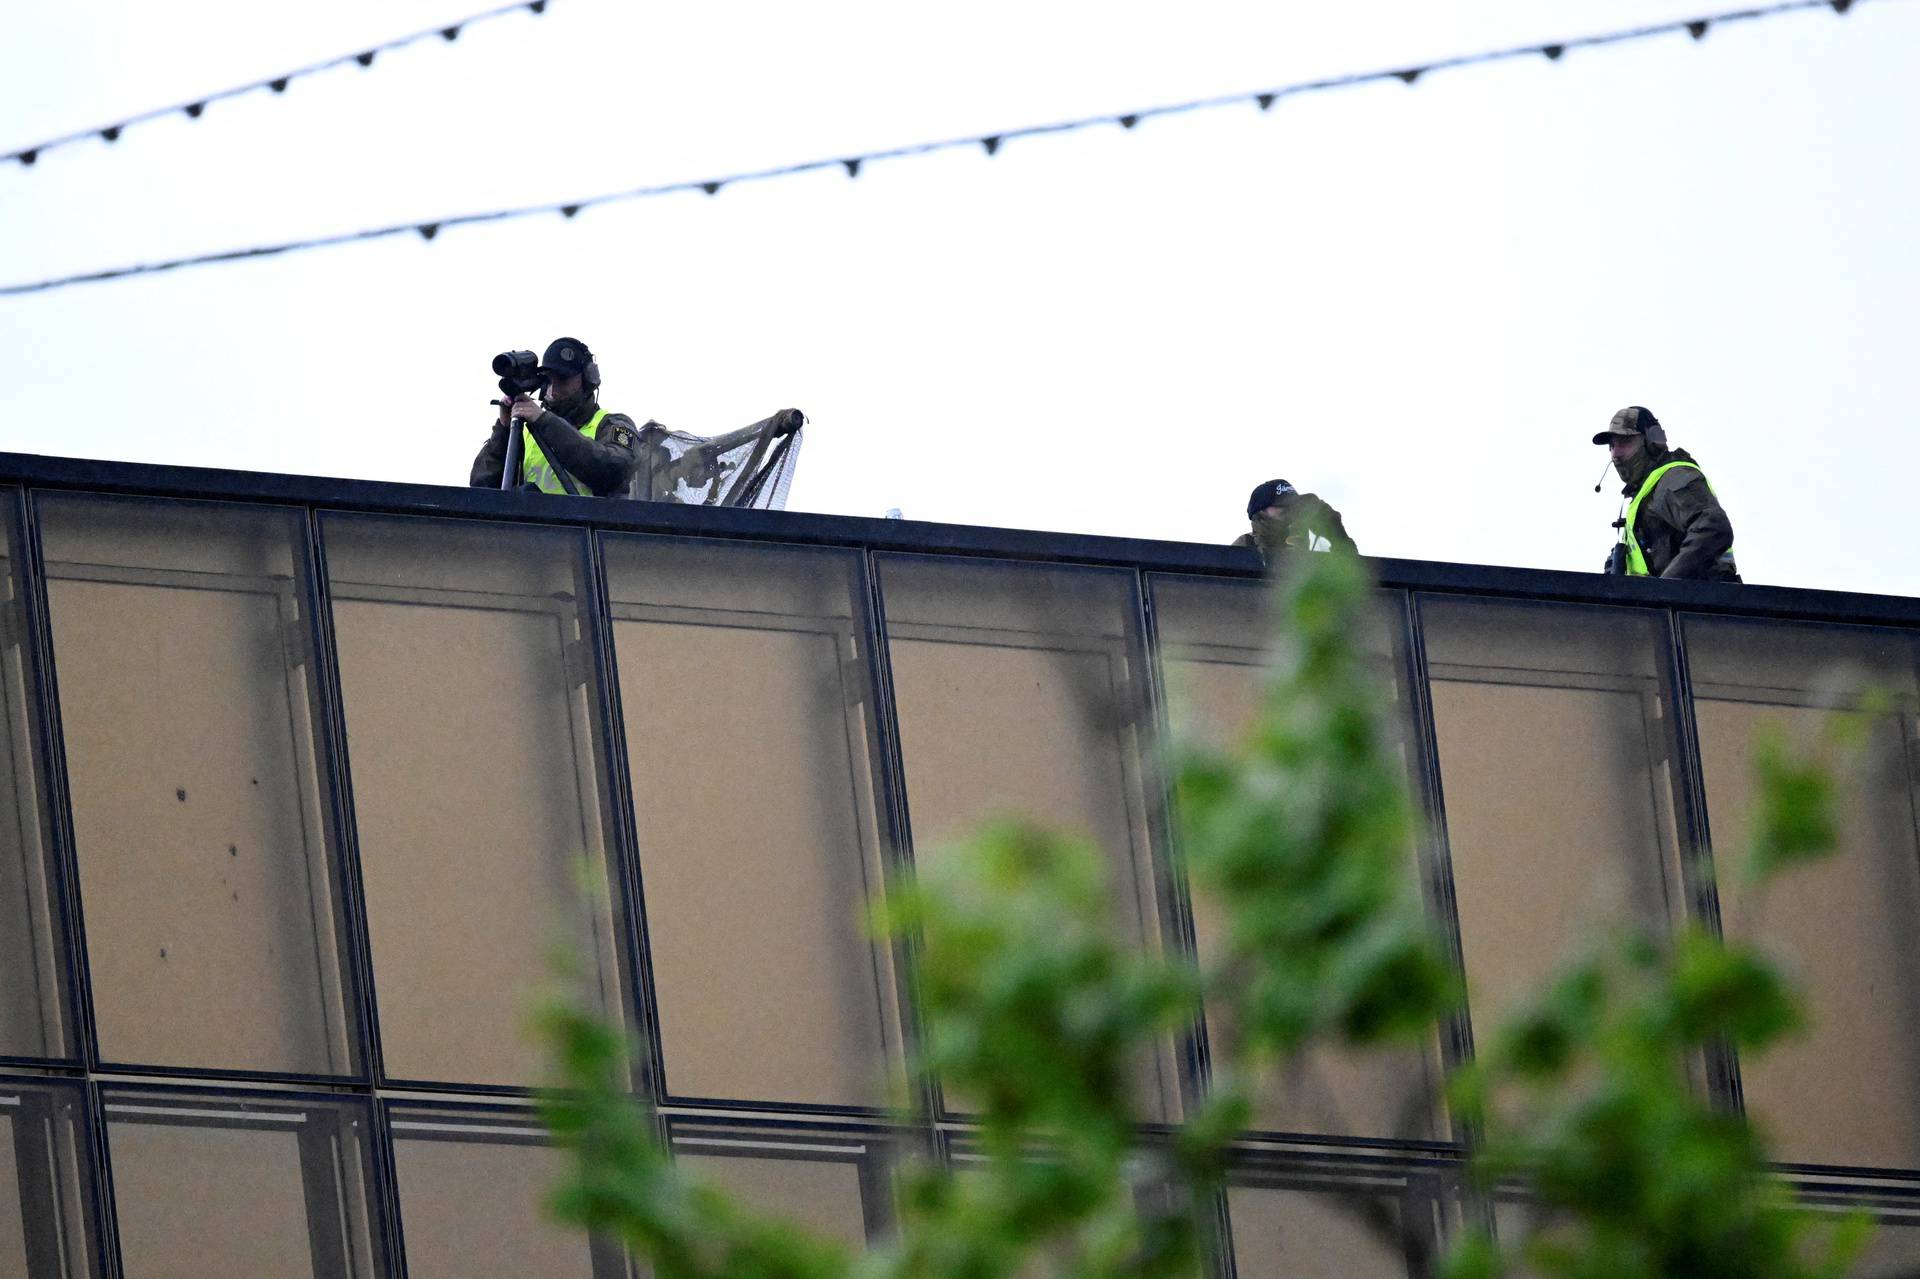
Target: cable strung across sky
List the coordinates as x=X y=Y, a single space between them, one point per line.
x=194 y=108
x=991 y=143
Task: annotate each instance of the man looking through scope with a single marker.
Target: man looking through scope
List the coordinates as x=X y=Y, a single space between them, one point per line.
x=564 y=442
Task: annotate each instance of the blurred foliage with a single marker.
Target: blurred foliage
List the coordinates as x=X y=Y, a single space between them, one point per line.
x=1588 y=1105
x=1036 y=1017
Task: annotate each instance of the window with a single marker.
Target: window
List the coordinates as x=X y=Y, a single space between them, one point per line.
x=1307 y=1229
x=187 y=702
x=46 y=1228
x=1019 y=692
x=1214 y=637
x=1555 y=739
x=1847 y=1089
x=471 y=703
x=832 y=1183
x=1895 y=1248
x=33 y=985
x=215 y=1187
x=472 y=1185
x=750 y=739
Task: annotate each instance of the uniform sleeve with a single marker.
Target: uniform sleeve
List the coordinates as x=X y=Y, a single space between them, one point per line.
x=490 y=461
x=1327 y=523
x=1705 y=531
x=604 y=463
x=1309 y=514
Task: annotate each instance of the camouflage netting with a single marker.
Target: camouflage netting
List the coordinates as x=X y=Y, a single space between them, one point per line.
x=749 y=467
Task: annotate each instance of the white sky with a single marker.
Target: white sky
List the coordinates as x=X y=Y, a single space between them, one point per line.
x=1419 y=302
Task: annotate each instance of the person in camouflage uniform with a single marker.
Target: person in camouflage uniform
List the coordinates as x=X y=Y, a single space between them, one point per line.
x=1285 y=519
x=1674 y=526
x=572 y=445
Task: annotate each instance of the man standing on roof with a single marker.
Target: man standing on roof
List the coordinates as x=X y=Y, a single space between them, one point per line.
x=1285 y=519
x=1674 y=526
x=569 y=444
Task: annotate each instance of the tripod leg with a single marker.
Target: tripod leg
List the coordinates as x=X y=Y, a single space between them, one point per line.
x=510 y=472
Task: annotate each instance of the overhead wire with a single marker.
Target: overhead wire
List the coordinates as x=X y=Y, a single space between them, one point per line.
x=1408 y=74
x=194 y=108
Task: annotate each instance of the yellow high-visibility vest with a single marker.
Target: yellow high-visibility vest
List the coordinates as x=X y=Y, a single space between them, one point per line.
x=534 y=466
x=1636 y=561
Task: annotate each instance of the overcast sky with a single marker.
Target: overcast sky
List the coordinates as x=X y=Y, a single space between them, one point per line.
x=1419 y=302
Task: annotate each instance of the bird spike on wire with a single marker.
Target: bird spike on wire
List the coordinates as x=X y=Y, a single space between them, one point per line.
x=853 y=164
x=278 y=84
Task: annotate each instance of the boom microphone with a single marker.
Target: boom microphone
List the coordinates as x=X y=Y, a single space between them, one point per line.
x=1603 y=476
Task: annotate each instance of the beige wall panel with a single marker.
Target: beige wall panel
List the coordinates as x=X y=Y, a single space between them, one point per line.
x=824 y=1197
x=989 y=731
x=473 y=1211
x=199 y=537
x=776 y=582
x=204 y=933
x=1239 y=614
x=1213 y=703
x=13 y=1232
x=471 y=823
x=30 y=1015
x=1847 y=1090
x=1544 y=638
x=1211 y=610
x=1331 y=1090
x=755 y=847
x=1286 y=1234
x=981 y=596
x=209 y=1203
x=1895 y=1250
x=1756 y=655
x=1553 y=825
x=406 y=554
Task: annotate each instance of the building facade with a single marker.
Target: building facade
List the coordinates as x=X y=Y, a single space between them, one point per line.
x=302 y=780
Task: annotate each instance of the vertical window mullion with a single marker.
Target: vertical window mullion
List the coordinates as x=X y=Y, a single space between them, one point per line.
x=56 y=810
x=337 y=780
x=1696 y=852
x=1174 y=894
x=1456 y=1034
x=890 y=785
x=623 y=837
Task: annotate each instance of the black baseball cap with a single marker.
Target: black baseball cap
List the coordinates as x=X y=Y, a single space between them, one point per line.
x=566 y=357
x=1266 y=495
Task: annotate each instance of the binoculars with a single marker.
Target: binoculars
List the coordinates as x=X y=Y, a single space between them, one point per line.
x=519 y=372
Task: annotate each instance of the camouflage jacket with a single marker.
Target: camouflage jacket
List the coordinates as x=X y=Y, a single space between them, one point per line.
x=602 y=465
x=1308 y=524
x=1682 y=529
